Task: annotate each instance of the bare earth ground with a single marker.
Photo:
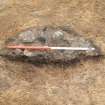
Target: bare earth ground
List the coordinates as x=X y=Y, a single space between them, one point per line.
x=82 y=83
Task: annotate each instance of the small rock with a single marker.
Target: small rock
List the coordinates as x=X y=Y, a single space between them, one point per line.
x=58 y=34
x=28 y=53
x=27 y=36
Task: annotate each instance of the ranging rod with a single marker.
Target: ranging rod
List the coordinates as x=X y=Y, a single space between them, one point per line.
x=43 y=48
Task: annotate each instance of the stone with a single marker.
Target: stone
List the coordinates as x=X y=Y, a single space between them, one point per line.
x=27 y=36
x=52 y=37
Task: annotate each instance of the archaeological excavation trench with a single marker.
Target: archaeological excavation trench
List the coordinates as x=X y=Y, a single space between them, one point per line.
x=48 y=44
x=52 y=52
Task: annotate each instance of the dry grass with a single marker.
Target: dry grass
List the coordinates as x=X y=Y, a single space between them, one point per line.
x=78 y=84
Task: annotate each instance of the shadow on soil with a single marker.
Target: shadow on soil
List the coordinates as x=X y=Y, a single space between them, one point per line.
x=64 y=63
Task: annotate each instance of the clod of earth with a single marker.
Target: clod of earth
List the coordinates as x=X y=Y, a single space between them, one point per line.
x=49 y=36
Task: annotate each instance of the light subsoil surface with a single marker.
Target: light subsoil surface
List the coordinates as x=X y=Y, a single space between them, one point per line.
x=82 y=83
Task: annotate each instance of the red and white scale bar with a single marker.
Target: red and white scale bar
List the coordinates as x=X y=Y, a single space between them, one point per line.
x=43 y=48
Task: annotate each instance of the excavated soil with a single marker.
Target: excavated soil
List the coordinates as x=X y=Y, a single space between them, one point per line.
x=79 y=83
